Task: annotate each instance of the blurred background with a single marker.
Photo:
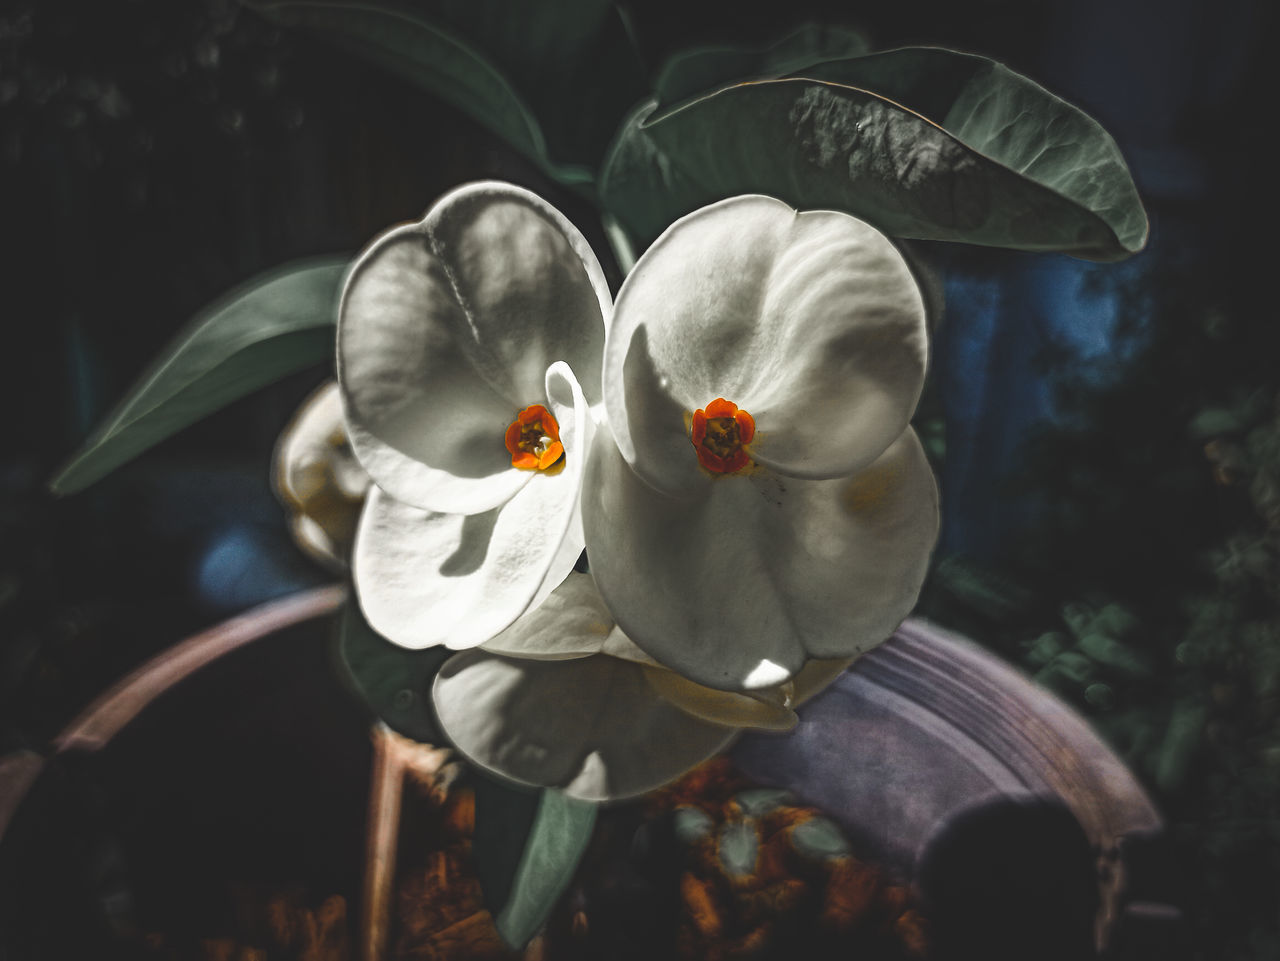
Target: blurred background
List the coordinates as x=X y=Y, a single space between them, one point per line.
x=1107 y=437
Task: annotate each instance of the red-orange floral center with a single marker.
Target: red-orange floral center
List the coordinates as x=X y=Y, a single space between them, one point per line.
x=534 y=439
x=720 y=433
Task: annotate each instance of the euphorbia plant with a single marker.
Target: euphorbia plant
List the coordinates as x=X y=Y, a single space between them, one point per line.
x=730 y=442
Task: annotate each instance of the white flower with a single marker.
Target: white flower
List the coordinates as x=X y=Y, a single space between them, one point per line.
x=469 y=353
x=316 y=476
x=762 y=500
x=563 y=699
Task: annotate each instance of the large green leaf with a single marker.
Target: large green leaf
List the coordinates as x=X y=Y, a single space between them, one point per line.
x=557 y=839
x=550 y=79
x=699 y=70
x=394 y=681
x=276 y=324
x=925 y=143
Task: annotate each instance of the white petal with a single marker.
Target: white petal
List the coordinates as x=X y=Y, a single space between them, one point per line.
x=572 y=622
x=445 y=332
x=767 y=709
x=762 y=572
x=816 y=675
x=591 y=726
x=812 y=322
x=427 y=578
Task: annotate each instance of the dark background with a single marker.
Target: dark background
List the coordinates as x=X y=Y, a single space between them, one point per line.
x=1105 y=435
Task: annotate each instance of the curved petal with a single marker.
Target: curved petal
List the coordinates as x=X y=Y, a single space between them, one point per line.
x=768 y=709
x=427 y=578
x=737 y=589
x=590 y=726
x=572 y=622
x=445 y=332
x=812 y=322
x=316 y=476
x=814 y=677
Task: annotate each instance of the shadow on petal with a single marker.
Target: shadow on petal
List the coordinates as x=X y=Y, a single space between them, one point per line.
x=473 y=545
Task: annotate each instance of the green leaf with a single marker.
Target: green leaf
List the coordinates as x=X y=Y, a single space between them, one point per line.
x=275 y=324
x=1182 y=740
x=505 y=814
x=1114 y=654
x=739 y=847
x=922 y=142
x=394 y=681
x=557 y=839
x=700 y=69
x=757 y=802
x=819 y=839
x=691 y=824
x=572 y=60
x=551 y=80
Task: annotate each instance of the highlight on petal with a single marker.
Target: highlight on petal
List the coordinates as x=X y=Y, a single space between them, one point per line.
x=425 y=578
x=445 y=332
x=591 y=726
x=811 y=321
x=739 y=588
x=318 y=479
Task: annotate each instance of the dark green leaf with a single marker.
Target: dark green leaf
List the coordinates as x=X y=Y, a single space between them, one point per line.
x=557 y=840
x=704 y=68
x=1181 y=742
x=572 y=60
x=924 y=143
x=274 y=325
x=504 y=817
x=551 y=80
x=1114 y=654
x=394 y=681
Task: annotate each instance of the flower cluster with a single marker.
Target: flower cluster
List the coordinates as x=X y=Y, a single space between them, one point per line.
x=729 y=441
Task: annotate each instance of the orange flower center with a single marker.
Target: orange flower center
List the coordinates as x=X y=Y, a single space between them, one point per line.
x=720 y=433
x=534 y=439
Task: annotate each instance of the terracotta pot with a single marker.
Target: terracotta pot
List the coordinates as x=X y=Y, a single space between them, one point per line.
x=240 y=754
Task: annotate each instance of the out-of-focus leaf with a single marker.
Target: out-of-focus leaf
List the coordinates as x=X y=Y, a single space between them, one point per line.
x=1068 y=666
x=1116 y=620
x=738 y=846
x=691 y=824
x=274 y=325
x=550 y=79
x=987 y=592
x=1114 y=654
x=757 y=802
x=1181 y=741
x=1100 y=696
x=819 y=839
x=701 y=69
x=394 y=681
x=558 y=837
x=922 y=142
x=1045 y=648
